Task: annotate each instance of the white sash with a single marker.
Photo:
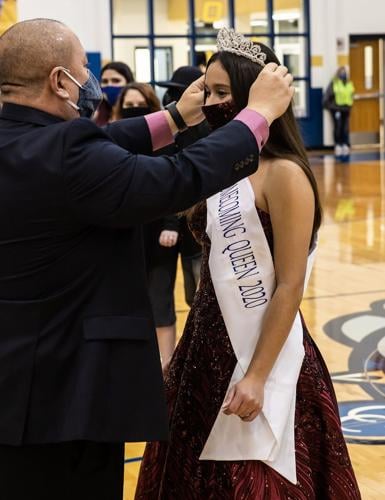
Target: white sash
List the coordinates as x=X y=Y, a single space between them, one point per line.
x=243 y=275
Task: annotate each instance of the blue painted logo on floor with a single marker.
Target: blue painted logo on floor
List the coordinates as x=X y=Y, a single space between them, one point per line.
x=363 y=421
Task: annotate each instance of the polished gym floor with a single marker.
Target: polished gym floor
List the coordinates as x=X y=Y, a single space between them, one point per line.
x=344 y=308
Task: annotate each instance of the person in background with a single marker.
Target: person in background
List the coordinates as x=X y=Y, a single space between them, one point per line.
x=177 y=85
x=160 y=235
x=136 y=99
x=201 y=61
x=338 y=100
x=180 y=239
x=114 y=76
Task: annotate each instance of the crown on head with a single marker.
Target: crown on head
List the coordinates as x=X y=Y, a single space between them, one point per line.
x=228 y=40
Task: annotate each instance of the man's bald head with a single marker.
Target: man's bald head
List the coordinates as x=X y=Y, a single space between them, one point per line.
x=29 y=50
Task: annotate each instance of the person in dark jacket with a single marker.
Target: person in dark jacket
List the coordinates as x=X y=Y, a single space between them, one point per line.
x=167 y=237
x=170 y=236
x=160 y=235
x=79 y=363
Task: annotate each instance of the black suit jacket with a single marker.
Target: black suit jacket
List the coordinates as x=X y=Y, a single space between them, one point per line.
x=78 y=351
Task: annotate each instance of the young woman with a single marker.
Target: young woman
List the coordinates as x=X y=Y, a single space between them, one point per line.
x=114 y=76
x=253 y=414
x=136 y=99
x=160 y=236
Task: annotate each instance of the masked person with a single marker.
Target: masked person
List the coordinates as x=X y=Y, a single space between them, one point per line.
x=114 y=76
x=187 y=246
x=80 y=372
x=166 y=237
x=252 y=408
x=136 y=99
x=180 y=80
x=338 y=99
x=201 y=61
x=160 y=235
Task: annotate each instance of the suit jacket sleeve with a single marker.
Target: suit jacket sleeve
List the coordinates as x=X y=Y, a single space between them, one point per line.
x=108 y=185
x=132 y=134
x=171 y=223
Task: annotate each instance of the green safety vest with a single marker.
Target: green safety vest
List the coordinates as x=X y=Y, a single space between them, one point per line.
x=343 y=92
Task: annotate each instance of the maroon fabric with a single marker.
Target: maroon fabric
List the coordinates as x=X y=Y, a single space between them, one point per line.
x=196 y=384
x=217 y=115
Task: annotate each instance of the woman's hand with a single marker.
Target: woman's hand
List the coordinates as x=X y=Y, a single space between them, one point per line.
x=245 y=399
x=168 y=238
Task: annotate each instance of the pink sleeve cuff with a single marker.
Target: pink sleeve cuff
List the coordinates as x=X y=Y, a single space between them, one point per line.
x=256 y=123
x=160 y=131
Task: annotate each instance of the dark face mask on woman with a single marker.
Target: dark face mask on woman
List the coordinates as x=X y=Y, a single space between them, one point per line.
x=134 y=111
x=219 y=114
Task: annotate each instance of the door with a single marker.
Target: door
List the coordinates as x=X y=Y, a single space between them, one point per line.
x=365 y=74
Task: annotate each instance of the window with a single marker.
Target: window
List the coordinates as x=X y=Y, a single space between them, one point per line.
x=155 y=37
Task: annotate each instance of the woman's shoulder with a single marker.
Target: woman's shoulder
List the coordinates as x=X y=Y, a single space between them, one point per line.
x=278 y=178
x=283 y=169
x=273 y=170
x=283 y=174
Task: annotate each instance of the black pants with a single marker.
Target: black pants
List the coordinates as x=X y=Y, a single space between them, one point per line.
x=78 y=470
x=161 y=274
x=191 y=267
x=341 y=127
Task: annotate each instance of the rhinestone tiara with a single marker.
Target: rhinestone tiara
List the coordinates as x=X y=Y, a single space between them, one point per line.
x=228 y=40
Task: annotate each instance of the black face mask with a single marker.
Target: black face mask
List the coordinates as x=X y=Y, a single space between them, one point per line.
x=135 y=111
x=218 y=115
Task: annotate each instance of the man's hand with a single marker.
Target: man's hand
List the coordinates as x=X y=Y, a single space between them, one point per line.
x=168 y=238
x=271 y=92
x=245 y=399
x=191 y=102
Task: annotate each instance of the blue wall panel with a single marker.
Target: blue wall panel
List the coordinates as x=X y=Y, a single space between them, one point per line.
x=312 y=126
x=95 y=63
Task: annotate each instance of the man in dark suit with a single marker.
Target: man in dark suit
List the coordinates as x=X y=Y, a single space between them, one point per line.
x=79 y=363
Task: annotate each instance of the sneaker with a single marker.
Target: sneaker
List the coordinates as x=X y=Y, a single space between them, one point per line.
x=338 y=151
x=345 y=150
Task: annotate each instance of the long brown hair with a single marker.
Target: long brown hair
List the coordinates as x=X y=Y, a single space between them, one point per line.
x=285 y=140
x=147 y=92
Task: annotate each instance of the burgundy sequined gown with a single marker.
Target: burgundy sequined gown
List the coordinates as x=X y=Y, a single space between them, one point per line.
x=196 y=385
